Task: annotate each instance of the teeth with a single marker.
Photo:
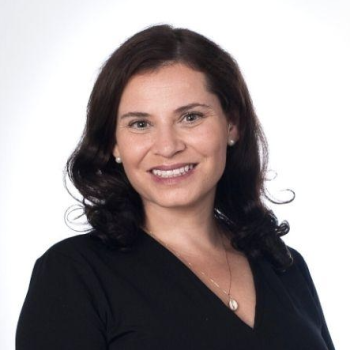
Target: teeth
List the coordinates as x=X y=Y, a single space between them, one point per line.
x=174 y=172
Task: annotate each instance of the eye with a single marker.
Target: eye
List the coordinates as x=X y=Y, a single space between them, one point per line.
x=192 y=117
x=138 y=124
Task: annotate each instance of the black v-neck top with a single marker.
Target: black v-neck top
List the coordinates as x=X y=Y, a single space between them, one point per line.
x=83 y=295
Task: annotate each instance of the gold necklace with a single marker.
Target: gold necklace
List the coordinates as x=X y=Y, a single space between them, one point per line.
x=233 y=304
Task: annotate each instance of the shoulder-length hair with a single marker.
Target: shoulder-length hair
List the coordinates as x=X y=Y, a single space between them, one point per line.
x=114 y=209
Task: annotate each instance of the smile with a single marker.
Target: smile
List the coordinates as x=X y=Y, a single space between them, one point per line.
x=174 y=172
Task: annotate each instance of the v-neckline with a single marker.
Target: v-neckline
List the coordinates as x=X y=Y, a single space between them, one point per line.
x=231 y=315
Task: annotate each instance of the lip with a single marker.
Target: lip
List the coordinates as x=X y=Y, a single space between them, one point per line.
x=174 y=180
x=171 y=167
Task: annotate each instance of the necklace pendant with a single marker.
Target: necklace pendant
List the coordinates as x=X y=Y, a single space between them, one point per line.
x=233 y=304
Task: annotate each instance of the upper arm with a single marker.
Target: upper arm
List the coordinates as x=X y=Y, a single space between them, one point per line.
x=61 y=309
x=303 y=267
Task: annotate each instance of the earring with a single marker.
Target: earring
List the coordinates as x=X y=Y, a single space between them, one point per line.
x=231 y=142
x=118 y=160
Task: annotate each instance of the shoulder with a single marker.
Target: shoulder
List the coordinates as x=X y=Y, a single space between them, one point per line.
x=300 y=266
x=296 y=255
x=70 y=265
x=77 y=253
x=298 y=259
x=88 y=252
x=75 y=247
x=65 y=290
x=297 y=266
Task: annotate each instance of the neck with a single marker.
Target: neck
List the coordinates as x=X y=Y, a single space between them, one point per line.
x=190 y=231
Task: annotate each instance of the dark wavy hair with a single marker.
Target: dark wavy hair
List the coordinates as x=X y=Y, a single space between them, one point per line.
x=111 y=205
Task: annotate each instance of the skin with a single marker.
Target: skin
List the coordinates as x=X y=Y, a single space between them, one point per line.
x=180 y=213
x=183 y=210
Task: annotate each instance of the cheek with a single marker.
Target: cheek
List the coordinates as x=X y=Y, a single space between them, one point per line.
x=131 y=157
x=215 y=152
x=131 y=147
x=133 y=153
x=212 y=141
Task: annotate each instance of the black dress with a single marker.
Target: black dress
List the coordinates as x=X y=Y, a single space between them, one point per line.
x=83 y=295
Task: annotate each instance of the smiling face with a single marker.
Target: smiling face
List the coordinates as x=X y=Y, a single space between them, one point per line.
x=167 y=119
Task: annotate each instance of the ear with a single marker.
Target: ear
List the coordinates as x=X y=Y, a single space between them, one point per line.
x=116 y=152
x=233 y=132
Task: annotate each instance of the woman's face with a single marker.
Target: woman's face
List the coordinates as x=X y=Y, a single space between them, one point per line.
x=168 y=123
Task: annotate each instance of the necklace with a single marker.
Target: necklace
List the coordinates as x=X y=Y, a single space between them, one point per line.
x=233 y=304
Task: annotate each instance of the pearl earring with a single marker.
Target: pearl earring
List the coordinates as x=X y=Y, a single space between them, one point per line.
x=118 y=160
x=231 y=142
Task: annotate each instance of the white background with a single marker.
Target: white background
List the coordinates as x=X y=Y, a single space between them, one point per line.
x=295 y=57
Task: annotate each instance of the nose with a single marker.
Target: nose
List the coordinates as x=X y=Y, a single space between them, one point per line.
x=167 y=142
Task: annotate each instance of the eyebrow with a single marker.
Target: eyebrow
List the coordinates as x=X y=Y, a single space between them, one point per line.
x=178 y=110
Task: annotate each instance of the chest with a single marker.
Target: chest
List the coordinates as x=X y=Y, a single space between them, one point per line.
x=159 y=302
x=232 y=279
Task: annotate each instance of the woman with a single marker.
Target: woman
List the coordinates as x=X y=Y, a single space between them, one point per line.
x=183 y=252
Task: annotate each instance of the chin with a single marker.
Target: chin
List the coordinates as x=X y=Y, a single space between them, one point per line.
x=179 y=201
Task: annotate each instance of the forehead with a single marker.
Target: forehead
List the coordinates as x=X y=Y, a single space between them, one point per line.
x=167 y=87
